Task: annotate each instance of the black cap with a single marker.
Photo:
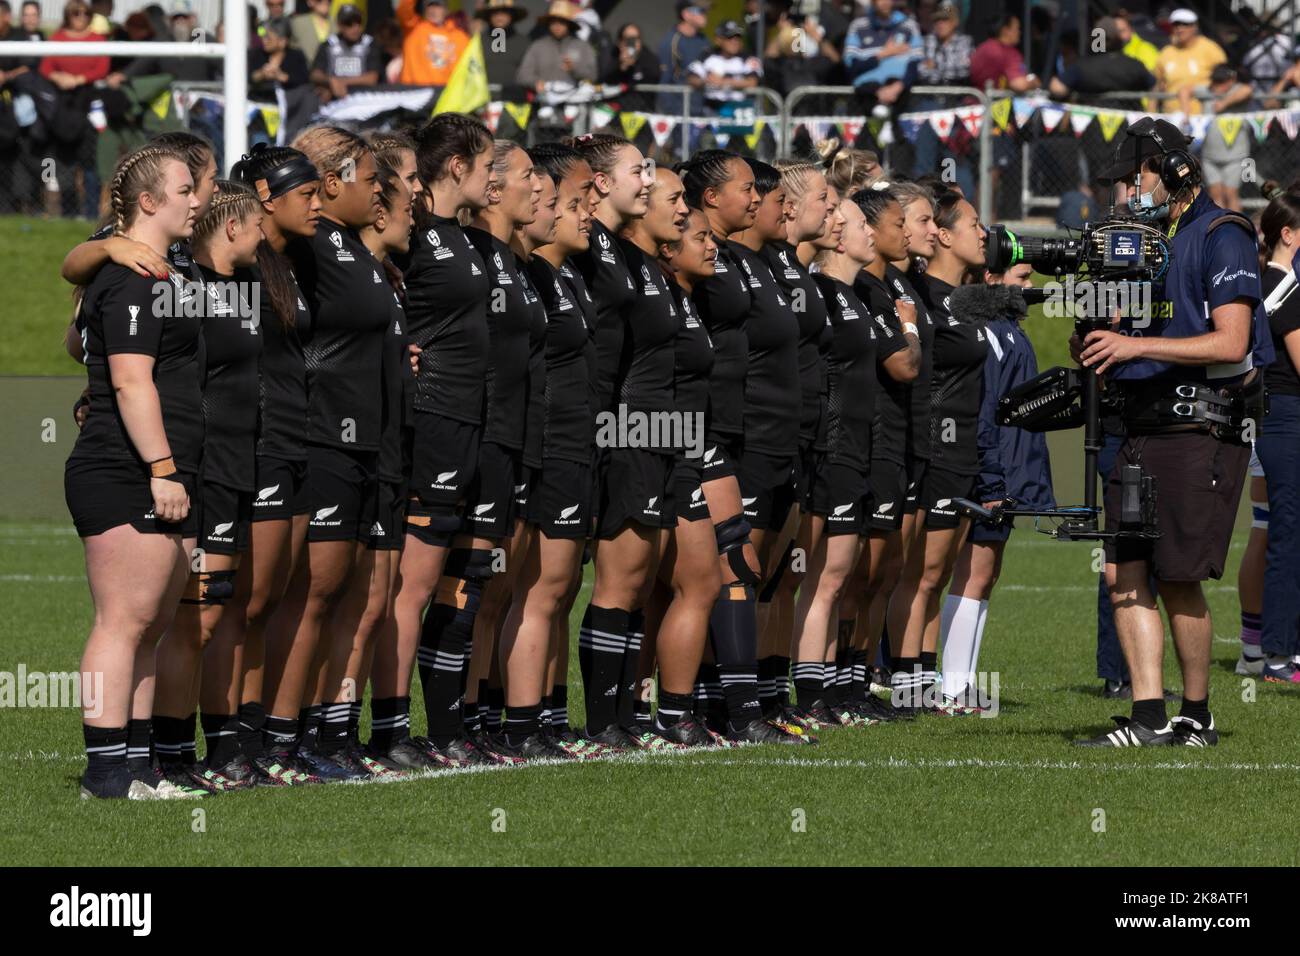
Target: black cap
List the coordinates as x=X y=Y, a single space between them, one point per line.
x=349 y=13
x=1134 y=150
x=684 y=4
x=730 y=28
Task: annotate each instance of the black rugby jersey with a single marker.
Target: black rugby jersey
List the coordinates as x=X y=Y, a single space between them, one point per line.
x=282 y=379
x=398 y=390
x=119 y=316
x=570 y=356
x=693 y=358
x=960 y=348
x=446 y=313
x=723 y=303
x=645 y=374
x=894 y=399
x=904 y=286
x=179 y=256
x=232 y=337
x=773 y=393
x=809 y=307
x=349 y=302
x=572 y=279
x=611 y=284
x=851 y=384
x=509 y=318
x=535 y=424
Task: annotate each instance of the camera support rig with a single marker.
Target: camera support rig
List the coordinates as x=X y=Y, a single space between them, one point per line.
x=1117 y=250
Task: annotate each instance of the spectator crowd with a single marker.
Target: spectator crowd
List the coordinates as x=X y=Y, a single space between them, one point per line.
x=83 y=112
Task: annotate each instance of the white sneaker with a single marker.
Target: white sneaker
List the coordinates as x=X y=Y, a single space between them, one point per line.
x=1250 y=666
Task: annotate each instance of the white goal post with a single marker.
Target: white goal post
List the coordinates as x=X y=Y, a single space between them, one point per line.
x=234 y=76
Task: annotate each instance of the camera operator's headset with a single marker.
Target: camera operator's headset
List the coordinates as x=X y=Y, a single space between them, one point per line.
x=1179 y=169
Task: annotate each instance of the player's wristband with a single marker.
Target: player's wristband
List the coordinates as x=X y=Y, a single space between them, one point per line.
x=162 y=467
x=911 y=327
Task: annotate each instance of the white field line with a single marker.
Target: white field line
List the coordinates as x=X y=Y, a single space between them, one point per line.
x=44 y=578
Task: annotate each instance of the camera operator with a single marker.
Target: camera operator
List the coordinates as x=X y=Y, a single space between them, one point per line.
x=1189 y=375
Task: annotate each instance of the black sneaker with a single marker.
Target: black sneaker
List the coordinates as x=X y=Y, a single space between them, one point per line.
x=613 y=738
x=686 y=733
x=533 y=747
x=1130 y=734
x=118 y=784
x=459 y=752
x=761 y=731
x=329 y=769
x=873 y=708
x=239 y=773
x=489 y=745
x=1117 y=690
x=352 y=758
x=407 y=755
x=182 y=781
x=1190 y=733
x=281 y=769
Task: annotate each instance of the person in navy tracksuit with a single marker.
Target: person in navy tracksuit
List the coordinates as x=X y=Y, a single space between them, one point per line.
x=1013 y=465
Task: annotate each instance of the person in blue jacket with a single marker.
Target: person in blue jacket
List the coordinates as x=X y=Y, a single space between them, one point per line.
x=1013 y=465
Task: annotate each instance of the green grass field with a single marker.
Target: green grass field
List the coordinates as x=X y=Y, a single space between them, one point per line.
x=941 y=791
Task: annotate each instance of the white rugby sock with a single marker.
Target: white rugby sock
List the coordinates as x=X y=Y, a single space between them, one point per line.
x=959 y=625
x=974 y=667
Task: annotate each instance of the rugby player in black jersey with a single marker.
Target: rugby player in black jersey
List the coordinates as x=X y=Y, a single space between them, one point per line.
x=629 y=512
x=357 y=629
x=895 y=319
x=446 y=308
x=558 y=507
x=288 y=186
x=839 y=501
x=349 y=303
x=638 y=492
x=689 y=577
x=721 y=185
x=489 y=517
x=225 y=245
x=960 y=348
x=773 y=408
x=808 y=217
x=128 y=479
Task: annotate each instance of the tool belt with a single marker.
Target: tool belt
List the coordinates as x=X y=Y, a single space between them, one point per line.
x=1229 y=413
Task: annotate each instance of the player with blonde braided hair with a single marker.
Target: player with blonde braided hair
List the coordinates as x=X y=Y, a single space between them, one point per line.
x=129 y=477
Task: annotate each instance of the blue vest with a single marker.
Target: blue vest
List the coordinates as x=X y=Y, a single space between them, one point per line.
x=1206 y=270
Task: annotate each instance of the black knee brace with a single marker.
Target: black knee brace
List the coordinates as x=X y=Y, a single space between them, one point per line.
x=209 y=588
x=733 y=535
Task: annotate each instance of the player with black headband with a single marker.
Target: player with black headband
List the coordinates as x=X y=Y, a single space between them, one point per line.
x=288 y=187
x=225 y=245
x=349 y=303
x=769 y=472
x=1209 y=338
x=558 y=507
x=631 y=483
x=809 y=216
x=960 y=348
x=129 y=477
x=721 y=185
x=898 y=363
x=490 y=503
x=689 y=576
x=447 y=289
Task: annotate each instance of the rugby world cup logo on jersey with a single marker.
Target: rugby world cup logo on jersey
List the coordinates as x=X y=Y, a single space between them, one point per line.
x=135 y=325
x=664 y=430
x=342 y=254
x=439 y=250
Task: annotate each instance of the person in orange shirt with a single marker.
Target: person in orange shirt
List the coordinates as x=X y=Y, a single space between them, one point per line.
x=431 y=43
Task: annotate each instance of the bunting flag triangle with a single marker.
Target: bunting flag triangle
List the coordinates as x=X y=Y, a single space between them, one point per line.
x=910 y=125
x=492 y=115
x=1051 y=117
x=1080 y=120
x=942 y=123
x=751 y=139
x=849 y=130
x=1229 y=127
x=1001 y=110
x=1110 y=124
x=722 y=139
x=632 y=124
x=884 y=133
x=161 y=103
x=1023 y=109
x=571 y=112
x=817 y=130
x=520 y=112
x=1259 y=123
x=971 y=117
x=271 y=117
x=601 y=116
x=1287 y=120
x=662 y=127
